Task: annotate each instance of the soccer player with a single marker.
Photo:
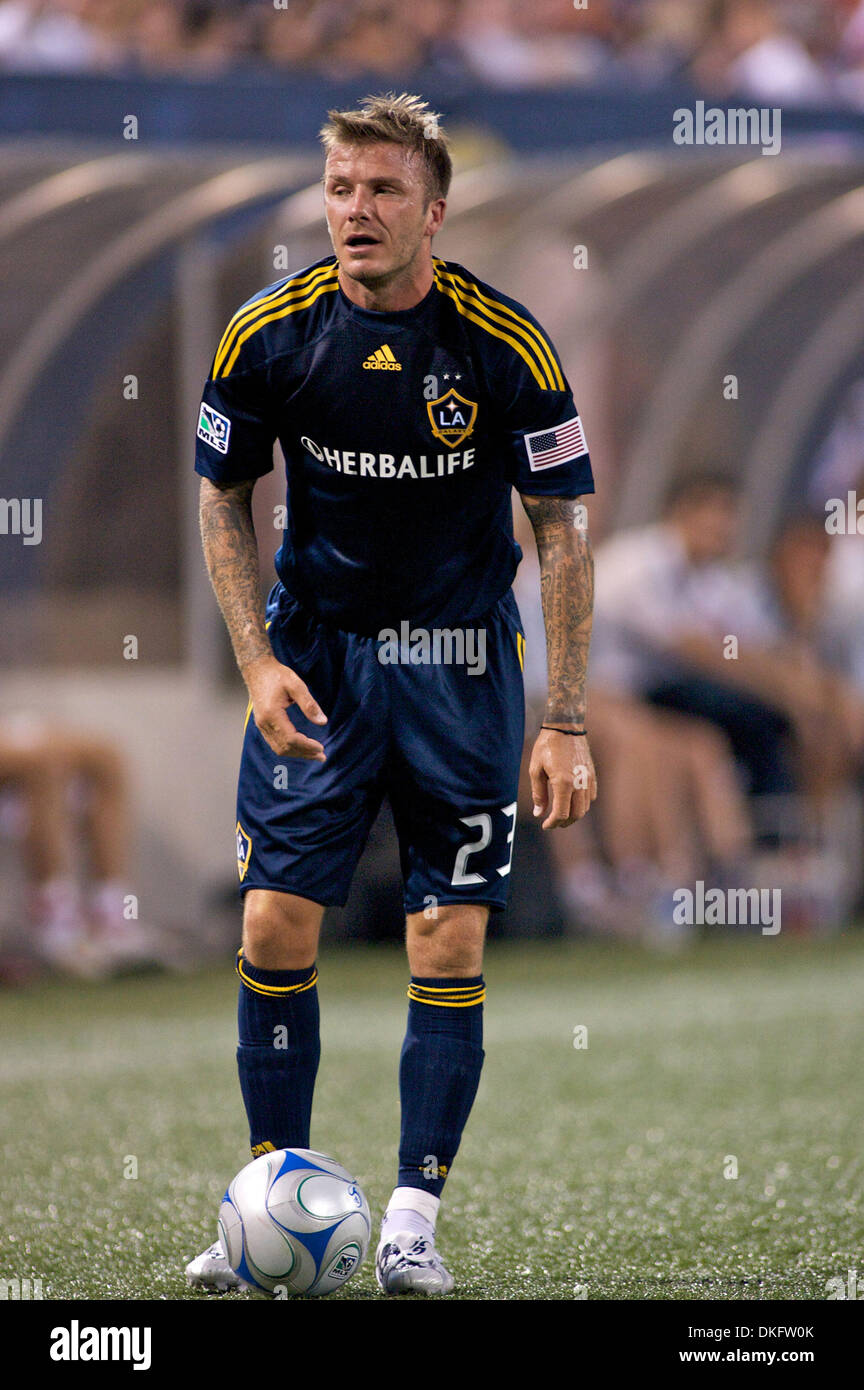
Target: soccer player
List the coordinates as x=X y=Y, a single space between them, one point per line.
x=408 y=398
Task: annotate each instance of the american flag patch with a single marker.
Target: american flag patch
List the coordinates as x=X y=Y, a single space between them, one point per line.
x=563 y=444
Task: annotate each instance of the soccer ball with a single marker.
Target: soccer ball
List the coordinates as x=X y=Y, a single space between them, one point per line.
x=294 y=1221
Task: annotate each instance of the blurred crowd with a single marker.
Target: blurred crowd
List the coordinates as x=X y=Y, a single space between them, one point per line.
x=726 y=716
x=794 y=51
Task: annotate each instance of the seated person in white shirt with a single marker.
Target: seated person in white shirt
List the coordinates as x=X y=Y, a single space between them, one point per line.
x=672 y=627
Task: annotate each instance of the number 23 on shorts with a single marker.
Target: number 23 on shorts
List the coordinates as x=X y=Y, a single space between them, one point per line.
x=484 y=823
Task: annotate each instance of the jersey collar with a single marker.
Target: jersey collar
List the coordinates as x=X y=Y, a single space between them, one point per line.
x=392 y=318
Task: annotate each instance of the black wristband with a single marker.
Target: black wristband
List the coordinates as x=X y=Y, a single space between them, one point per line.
x=575 y=733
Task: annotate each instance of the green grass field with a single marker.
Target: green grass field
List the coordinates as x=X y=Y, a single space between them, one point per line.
x=596 y=1169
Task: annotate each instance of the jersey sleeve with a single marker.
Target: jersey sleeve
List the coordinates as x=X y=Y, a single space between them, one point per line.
x=235 y=434
x=547 y=452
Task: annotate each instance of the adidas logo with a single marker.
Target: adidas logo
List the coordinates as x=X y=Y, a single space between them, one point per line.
x=382 y=361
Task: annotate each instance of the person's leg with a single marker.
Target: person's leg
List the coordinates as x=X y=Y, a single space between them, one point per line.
x=757 y=732
x=36 y=766
x=439 y=1072
x=278 y=1042
x=442 y=1054
x=278 y=1046
x=31 y=767
x=301 y=827
x=280 y=930
x=722 y=817
x=644 y=815
x=453 y=784
x=105 y=812
x=98 y=774
x=623 y=746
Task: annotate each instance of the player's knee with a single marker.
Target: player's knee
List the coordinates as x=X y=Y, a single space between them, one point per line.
x=447 y=943
x=280 y=931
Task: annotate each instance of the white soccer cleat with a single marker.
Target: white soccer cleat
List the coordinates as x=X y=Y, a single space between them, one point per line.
x=211 y=1271
x=408 y=1263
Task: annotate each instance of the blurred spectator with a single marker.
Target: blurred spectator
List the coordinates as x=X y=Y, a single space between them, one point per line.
x=64 y=795
x=535 y=43
x=671 y=812
x=195 y=37
x=681 y=628
x=375 y=39
x=297 y=36
x=755 y=49
x=51 y=36
x=157 y=38
x=435 y=25
x=660 y=37
x=818 y=625
x=817 y=651
x=667 y=604
x=844 y=589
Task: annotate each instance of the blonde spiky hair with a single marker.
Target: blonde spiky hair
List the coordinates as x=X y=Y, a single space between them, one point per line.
x=401 y=120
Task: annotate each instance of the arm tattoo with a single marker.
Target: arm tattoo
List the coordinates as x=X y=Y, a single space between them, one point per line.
x=567 y=594
x=231 y=552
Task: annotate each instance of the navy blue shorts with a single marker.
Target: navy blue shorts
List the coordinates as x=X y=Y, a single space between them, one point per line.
x=440 y=735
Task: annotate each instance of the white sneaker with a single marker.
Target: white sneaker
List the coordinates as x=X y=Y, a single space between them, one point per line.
x=408 y=1263
x=127 y=947
x=72 y=953
x=211 y=1271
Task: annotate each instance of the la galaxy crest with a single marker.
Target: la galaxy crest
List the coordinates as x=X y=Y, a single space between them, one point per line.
x=244 y=851
x=452 y=417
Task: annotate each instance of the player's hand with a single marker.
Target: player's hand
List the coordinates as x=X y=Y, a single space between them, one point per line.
x=563 y=780
x=272 y=687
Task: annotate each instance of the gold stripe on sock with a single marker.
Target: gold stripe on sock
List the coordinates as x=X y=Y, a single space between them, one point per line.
x=428 y=994
x=271 y=990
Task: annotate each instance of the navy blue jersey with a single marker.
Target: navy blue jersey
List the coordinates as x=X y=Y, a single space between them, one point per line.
x=403 y=433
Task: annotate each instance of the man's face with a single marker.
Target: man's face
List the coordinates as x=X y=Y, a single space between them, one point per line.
x=377 y=208
x=708 y=526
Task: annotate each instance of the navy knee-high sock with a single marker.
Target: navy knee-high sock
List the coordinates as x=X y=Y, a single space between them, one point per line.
x=439 y=1073
x=277 y=1053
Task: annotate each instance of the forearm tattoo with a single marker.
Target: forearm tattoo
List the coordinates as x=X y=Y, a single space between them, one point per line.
x=567 y=594
x=231 y=552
